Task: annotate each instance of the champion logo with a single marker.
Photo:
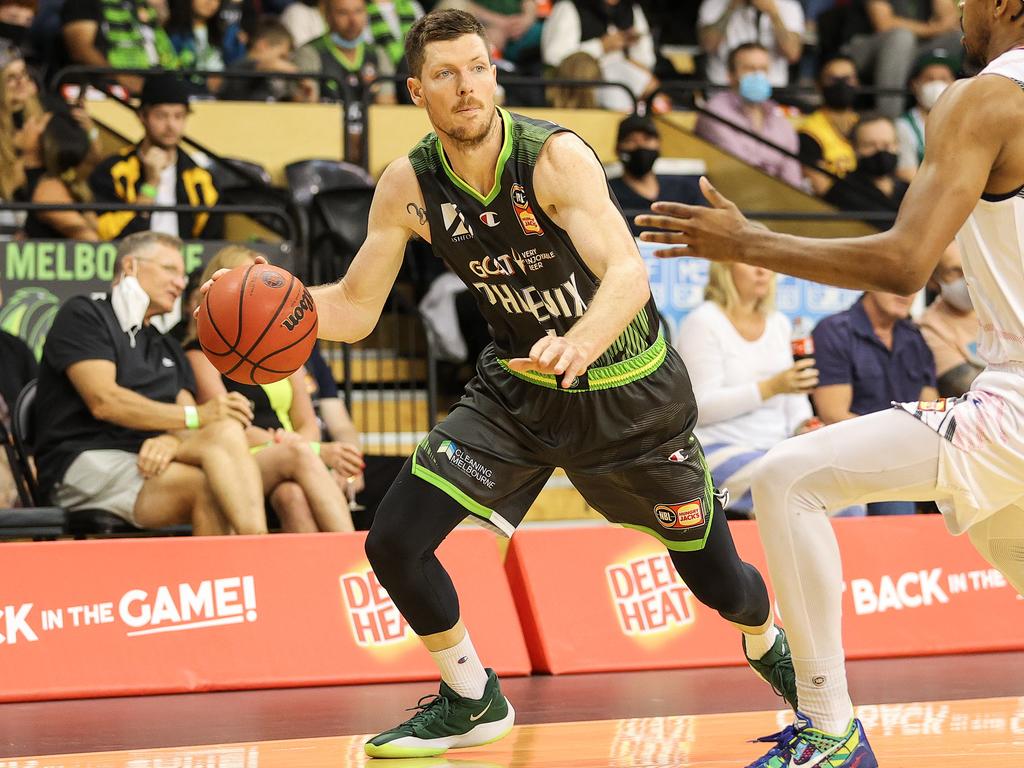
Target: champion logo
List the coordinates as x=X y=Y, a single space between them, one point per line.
x=680 y=456
x=489 y=218
x=464 y=659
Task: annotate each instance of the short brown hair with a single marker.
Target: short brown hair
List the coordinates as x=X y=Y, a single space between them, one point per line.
x=438 y=26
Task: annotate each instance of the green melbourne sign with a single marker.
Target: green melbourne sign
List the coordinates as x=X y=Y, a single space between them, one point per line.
x=37 y=275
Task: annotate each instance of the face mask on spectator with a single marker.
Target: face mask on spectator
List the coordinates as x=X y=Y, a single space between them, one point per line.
x=341 y=42
x=880 y=164
x=929 y=93
x=638 y=162
x=130 y=303
x=956 y=295
x=839 y=95
x=755 y=88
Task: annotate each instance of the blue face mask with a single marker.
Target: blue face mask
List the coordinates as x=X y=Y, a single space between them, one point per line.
x=341 y=42
x=755 y=88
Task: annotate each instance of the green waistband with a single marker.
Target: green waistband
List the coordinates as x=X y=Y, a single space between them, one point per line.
x=606 y=377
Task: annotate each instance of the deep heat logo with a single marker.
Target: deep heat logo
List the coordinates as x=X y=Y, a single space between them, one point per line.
x=303 y=308
x=461 y=460
x=371 y=612
x=649 y=596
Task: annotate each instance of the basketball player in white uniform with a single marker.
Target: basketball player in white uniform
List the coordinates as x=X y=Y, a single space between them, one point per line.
x=968 y=453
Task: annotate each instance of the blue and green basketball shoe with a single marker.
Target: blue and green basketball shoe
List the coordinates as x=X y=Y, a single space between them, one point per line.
x=448 y=721
x=803 y=746
x=776 y=668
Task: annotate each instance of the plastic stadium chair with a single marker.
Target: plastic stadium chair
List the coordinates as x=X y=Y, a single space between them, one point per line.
x=308 y=178
x=337 y=228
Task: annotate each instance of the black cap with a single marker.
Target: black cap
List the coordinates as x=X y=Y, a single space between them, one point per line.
x=165 y=89
x=635 y=123
x=936 y=56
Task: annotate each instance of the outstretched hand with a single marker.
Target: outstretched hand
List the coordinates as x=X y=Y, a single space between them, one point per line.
x=205 y=287
x=714 y=233
x=554 y=355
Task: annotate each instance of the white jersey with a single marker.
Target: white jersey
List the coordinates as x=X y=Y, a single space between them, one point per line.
x=992 y=247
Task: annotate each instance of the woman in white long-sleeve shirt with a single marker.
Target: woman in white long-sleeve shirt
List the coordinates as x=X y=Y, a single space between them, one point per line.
x=750 y=395
x=615 y=32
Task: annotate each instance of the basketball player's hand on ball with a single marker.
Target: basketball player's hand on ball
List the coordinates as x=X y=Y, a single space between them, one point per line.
x=156 y=453
x=344 y=458
x=555 y=355
x=205 y=287
x=714 y=233
x=230 y=405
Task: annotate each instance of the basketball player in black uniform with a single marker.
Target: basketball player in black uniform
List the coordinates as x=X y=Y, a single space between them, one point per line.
x=578 y=376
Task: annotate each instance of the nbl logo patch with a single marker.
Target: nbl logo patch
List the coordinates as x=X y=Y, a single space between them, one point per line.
x=687 y=514
x=521 y=204
x=455 y=223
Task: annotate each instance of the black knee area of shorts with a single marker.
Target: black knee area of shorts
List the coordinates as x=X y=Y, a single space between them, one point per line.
x=411 y=522
x=718 y=578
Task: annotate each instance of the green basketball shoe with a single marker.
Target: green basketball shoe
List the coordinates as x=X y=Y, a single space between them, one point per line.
x=448 y=721
x=776 y=668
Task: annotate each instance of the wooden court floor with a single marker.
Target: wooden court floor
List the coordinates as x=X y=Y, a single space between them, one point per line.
x=973 y=733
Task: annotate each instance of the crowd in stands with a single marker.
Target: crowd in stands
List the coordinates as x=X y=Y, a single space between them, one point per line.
x=128 y=417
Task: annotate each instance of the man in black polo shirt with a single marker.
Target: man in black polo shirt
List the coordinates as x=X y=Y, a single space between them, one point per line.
x=117 y=427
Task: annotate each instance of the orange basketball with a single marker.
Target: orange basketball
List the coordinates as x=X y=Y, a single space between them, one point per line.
x=257 y=324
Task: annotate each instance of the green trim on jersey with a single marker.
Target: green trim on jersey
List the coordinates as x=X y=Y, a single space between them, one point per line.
x=631 y=342
x=604 y=377
x=506 y=153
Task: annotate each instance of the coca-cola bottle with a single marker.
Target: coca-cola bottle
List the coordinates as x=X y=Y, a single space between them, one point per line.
x=802 y=341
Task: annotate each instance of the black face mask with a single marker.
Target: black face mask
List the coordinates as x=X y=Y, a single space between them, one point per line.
x=880 y=164
x=13 y=33
x=839 y=95
x=638 y=162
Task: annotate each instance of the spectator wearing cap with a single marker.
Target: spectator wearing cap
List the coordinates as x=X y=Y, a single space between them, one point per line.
x=122 y=34
x=933 y=74
x=748 y=104
x=156 y=171
x=904 y=30
x=638 y=146
x=824 y=134
x=778 y=25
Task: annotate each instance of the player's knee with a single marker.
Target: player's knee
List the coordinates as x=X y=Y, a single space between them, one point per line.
x=388 y=552
x=775 y=472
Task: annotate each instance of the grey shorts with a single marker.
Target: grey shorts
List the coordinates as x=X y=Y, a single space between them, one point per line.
x=106 y=479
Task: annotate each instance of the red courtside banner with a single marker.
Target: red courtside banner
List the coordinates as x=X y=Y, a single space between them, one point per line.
x=604 y=598
x=131 y=616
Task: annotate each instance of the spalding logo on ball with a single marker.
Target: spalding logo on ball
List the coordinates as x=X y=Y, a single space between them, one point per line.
x=257 y=324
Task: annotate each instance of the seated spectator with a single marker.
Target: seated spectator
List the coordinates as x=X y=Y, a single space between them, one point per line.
x=15 y=19
x=778 y=25
x=578 y=66
x=748 y=104
x=512 y=25
x=750 y=395
x=344 y=55
x=18 y=369
x=64 y=147
x=389 y=25
x=156 y=171
x=824 y=134
x=304 y=21
x=950 y=326
x=868 y=357
x=117 y=427
x=873 y=185
x=638 y=146
x=19 y=103
x=904 y=30
x=122 y=34
x=932 y=75
x=196 y=32
x=284 y=436
x=270 y=51
x=614 y=32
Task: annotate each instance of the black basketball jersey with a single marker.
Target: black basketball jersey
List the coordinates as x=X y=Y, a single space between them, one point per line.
x=523 y=269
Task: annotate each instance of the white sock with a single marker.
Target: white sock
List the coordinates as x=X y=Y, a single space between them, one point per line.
x=821 y=690
x=461 y=669
x=758 y=645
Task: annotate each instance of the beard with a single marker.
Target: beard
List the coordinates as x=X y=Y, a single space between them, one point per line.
x=468 y=137
x=975 y=52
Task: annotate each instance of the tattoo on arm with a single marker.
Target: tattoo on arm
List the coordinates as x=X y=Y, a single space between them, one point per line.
x=419 y=213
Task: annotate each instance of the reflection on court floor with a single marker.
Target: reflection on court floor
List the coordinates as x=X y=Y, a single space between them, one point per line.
x=953 y=734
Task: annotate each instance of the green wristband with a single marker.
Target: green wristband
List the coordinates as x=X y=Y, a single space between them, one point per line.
x=148 y=190
x=315 y=447
x=191 y=417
